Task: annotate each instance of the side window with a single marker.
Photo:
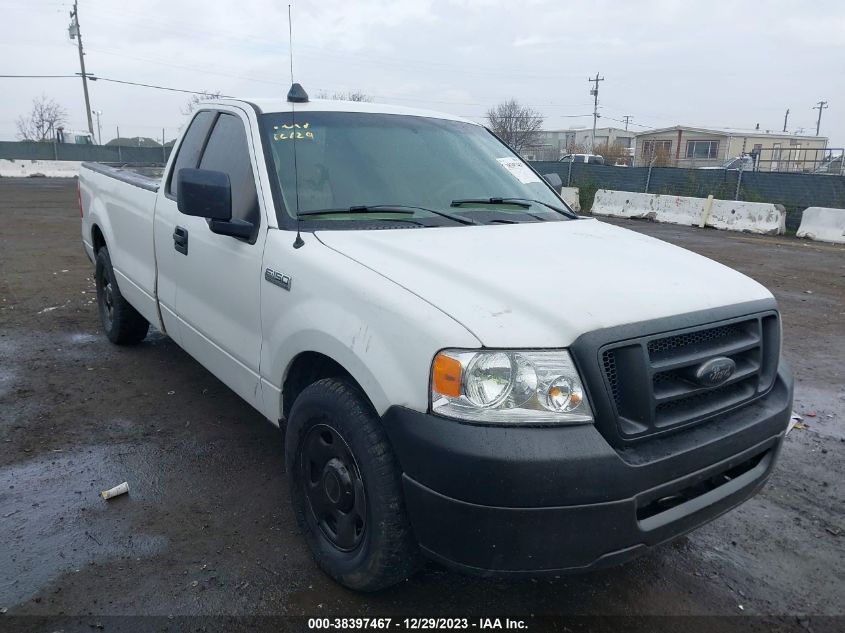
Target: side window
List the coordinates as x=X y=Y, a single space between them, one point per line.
x=191 y=147
x=227 y=151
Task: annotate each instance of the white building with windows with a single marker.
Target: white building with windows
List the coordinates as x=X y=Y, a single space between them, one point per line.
x=553 y=144
x=683 y=146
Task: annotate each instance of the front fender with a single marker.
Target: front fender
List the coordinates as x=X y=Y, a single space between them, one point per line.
x=383 y=335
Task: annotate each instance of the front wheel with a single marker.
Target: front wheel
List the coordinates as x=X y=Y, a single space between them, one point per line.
x=346 y=488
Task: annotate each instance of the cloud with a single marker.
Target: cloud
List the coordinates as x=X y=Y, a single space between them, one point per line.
x=665 y=61
x=534 y=41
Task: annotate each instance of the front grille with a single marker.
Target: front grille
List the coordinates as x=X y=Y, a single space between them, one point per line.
x=611 y=375
x=651 y=381
x=665 y=346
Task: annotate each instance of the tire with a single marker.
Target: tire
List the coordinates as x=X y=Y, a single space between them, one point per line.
x=364 y=541
x=122 y=323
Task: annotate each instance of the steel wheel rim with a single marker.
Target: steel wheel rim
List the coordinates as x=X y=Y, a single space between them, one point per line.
x=333 y=487
x=106 y=296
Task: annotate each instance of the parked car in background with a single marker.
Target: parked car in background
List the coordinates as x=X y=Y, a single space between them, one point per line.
x=593 y=159
x=73 y=137
x=744 y=162
x=834 y=166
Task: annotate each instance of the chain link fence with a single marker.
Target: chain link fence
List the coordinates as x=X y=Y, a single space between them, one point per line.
x=116 y=154
x=795 y=191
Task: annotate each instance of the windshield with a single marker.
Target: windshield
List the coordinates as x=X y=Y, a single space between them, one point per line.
x=434 y=168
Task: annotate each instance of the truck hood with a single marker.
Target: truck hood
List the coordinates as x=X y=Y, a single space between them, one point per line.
x=545 y=284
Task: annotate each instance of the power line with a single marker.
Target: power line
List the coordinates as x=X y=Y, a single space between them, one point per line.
x=242 y=77
x=38 y=76
x=195 y=69
x=93 y=77
x=610 y=118
x=143 y=85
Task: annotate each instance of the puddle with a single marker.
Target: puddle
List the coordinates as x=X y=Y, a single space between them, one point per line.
x=52 y=520
x=81 y=339
x=7 y=381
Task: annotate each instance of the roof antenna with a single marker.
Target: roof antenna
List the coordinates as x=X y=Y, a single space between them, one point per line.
x=293 y=98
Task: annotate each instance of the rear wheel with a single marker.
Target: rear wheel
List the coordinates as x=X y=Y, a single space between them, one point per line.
x=122 y=323
x=346 y=488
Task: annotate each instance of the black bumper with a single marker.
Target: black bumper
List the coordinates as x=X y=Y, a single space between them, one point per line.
x=547 y=500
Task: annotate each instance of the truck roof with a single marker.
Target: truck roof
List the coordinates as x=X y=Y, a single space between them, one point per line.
x=267 y=105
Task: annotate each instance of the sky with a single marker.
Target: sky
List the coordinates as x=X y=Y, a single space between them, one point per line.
x=714 y=64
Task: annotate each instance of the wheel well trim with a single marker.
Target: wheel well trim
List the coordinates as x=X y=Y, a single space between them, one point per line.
x=333 y=350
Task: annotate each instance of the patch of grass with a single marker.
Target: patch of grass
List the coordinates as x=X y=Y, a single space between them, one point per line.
x=752 y=195
x=586 y=194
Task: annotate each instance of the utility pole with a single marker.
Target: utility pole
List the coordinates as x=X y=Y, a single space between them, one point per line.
x=822 y=105
x=595 y=93
x=785 y=119
x=627 y=118
x=76 y=33
x=97 y=114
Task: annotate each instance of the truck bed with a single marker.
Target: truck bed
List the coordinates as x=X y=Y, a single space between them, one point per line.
x=119 y=204
x=148 y=178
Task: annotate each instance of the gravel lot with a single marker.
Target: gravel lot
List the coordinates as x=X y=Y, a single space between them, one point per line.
x=207 y=529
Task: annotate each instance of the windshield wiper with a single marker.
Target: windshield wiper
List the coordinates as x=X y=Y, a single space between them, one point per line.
x=524 y=203
x=560 y=210
x=387 y=208
x=511 y=202
x=514 y=202
x=359 y=209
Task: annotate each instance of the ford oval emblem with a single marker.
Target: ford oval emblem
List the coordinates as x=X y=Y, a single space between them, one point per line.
x=715 y=371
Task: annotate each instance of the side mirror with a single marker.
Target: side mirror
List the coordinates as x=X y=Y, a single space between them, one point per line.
x=554 y=180
x=204 y=193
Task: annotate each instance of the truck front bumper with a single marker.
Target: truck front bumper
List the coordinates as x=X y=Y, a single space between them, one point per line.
x=522 y=500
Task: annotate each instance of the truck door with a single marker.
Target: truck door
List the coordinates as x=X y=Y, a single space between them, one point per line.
x=168 y=260
x=217 y=277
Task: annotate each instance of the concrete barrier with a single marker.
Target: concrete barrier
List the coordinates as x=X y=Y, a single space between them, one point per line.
x=571 y=197
x=823 y=224
x=48 y=168
x=752 y=217
x=732 y=215
x=625 y=204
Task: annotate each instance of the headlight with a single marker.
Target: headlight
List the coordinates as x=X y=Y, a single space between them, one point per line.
x=509 y=387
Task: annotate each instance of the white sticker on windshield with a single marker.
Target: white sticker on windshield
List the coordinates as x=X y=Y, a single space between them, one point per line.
x=519 y=170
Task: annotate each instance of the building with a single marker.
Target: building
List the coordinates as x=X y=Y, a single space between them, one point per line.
x=692 y=147
x=553 y=144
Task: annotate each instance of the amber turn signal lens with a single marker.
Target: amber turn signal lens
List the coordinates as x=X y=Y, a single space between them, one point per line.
x=446 y=376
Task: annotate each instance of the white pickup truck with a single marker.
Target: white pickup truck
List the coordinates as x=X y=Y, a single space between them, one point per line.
x=464 y=369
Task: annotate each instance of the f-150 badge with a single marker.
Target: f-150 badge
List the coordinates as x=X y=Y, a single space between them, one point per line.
x=277 y=278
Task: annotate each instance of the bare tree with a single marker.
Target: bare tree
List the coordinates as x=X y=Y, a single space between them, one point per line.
x=613 y=153
x=46 y=115
x=516 y=125
x=354 y=95
x=197 y=99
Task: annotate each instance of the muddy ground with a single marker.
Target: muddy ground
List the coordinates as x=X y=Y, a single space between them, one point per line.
x=207 y=529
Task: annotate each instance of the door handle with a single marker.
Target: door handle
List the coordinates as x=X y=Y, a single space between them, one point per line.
x=180 y=240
